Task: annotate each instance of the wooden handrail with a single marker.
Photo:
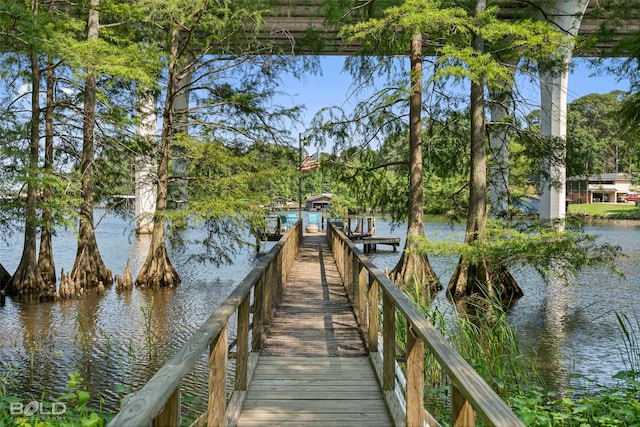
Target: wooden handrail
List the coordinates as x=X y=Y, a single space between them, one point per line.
x=470 y=394
x=158 y=401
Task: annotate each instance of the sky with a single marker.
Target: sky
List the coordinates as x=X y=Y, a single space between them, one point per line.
x=332 y=86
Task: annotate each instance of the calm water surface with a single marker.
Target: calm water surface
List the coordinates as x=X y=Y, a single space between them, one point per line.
x=116 y=341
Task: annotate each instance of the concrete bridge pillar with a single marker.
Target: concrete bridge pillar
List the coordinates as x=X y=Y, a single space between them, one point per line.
x=145 y=178
x=567 y=16
x=180 y=167
x=499 y=138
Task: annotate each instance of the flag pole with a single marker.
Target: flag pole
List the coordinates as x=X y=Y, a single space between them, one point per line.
x=300 y=176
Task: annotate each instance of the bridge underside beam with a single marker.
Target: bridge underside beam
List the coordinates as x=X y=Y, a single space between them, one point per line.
x=295 y=22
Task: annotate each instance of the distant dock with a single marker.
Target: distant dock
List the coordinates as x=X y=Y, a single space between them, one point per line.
x=370 y=243
x=368 y=239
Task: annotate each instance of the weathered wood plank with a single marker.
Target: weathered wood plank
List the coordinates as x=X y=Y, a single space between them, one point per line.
x=319 y=393
x=346 y=386
x=286 y=421
x=260 y=375
x=329 y=364
x=217 y=380
x=242 y=358
x=309 y=382
x=170 y=415
x=299 y=380
x=317 y=406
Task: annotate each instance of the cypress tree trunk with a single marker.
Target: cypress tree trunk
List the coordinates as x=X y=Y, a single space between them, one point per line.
x=89 y=269
x=46 y=265
x=5 y=277
x=479 y=278
x=157 y=270
x=26 y=282
x=414 y=266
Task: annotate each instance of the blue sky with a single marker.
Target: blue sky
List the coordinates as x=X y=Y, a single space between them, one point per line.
x=332 y=87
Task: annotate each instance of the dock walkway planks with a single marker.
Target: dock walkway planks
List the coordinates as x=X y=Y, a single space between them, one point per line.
x=314 y=369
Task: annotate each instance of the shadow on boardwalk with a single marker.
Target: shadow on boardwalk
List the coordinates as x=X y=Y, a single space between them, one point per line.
x=314 y=316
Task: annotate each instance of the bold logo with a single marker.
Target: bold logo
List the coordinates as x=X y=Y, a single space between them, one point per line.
x=34 y=407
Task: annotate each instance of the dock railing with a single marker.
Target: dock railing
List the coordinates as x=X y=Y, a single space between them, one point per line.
x=253 y=300
x=371 y=291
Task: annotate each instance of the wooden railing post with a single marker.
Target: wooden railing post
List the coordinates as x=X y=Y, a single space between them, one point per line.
x=348 y=273
x=361 y=306
x=373 y=314
x=388 y=342
x=415 y=379
x=462 y=413
x=242 y=344
x=343 y=258
x=170 y=415
x=268 y=285
x=357 y=287
x=217 y=380
x=258 y=316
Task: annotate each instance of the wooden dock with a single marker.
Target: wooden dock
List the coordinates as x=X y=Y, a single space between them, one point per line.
x=302 y=358
x=313 y=369
x=370 y=243
x=368 y=239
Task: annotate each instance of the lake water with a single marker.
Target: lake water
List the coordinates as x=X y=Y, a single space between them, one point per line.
x=117 y=340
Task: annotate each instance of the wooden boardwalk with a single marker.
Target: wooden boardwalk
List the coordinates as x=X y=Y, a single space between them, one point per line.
x=314 y=369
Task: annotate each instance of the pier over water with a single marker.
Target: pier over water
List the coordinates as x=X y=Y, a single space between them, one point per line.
x=323 y=338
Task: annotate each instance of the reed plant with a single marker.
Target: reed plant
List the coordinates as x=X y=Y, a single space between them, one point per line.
x=83 y=337
x=594 y=405
x=483 y=336
x=480 y=331
x=147 y=319
x=630 y=353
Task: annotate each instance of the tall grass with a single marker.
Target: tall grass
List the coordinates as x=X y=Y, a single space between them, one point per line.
x=481 y=333
x=630 y=353
x=483 y=336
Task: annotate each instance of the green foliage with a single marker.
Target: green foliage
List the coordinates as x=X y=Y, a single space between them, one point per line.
x=69 y=410
x=618 y=406
x=228 y=192
x=449 y=29
x=596 y=142
x=560 y=254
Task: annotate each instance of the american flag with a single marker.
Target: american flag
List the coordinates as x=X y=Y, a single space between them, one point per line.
x=310 y=162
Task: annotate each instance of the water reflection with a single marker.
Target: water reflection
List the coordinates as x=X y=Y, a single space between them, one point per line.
x=569 y=331
x=117 y=340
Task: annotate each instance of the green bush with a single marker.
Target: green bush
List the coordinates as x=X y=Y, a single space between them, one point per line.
x=70 y=410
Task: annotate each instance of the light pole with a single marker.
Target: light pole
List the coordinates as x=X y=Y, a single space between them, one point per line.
x=299 y=176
